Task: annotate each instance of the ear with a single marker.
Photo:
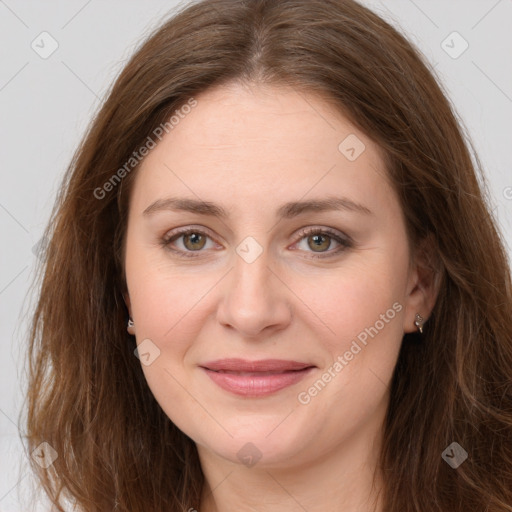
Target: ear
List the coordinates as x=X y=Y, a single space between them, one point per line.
x=126 y=298
x=129 y=328
x=423 y=284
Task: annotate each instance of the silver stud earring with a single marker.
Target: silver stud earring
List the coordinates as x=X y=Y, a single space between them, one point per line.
x=419 y=322
x=130 y=326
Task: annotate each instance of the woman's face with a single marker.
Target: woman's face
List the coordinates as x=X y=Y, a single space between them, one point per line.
x=283 y=274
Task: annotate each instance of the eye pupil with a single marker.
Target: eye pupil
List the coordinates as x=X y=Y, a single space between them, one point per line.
x=317 y=242
x=194 y=239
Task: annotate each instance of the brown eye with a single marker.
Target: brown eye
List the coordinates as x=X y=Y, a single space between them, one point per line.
x=189 y=242
x=194 y=241
x=319 y=243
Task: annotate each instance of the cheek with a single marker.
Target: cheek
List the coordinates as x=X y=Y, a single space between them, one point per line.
x=364 y=308
x=162 y=295
x=168 y=306
x=357 y=295
x=169 y=312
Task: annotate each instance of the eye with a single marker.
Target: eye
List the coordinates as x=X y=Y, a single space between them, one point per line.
x=194 y=240
x=319 y=240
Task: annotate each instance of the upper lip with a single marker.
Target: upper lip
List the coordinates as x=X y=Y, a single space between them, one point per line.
x=263 y=365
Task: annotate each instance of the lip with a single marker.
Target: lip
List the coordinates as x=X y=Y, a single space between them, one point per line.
x=263 y=365
x=256 y=378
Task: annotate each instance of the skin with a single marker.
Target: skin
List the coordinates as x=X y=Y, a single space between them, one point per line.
x=251 y=149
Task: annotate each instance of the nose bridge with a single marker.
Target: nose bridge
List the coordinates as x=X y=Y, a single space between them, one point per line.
x=252 y=275
x=254 y=298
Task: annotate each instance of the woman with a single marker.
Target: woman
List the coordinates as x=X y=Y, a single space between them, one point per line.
x=272 y=281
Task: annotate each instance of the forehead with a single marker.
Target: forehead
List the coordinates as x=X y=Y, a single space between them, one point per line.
x=259 y=143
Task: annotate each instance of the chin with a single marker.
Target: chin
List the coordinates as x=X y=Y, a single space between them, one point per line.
x=262 y=447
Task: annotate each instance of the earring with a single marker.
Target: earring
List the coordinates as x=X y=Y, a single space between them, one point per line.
x=129 y=328
x=419 y=322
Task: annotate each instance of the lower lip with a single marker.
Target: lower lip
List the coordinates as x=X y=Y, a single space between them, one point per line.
x=256 y=385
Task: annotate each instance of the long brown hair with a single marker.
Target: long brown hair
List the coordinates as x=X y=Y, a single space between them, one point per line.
x=87 y=396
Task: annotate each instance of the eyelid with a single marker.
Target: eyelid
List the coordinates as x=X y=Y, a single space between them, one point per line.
x=178 y=232
x=343 y=240
x=333 y=233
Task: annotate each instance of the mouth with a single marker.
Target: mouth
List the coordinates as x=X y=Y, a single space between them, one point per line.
x=251 y=383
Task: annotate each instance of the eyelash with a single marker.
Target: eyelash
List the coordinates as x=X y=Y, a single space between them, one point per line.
x=345 y=243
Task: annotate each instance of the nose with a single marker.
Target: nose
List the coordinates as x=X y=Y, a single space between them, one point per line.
x=254 y=299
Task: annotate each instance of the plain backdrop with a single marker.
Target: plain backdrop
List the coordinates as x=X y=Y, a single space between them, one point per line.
x=46 y=102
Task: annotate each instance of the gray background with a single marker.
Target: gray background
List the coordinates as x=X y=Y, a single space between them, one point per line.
x=46 y=104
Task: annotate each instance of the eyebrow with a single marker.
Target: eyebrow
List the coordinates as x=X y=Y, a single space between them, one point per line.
x=286 y=211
